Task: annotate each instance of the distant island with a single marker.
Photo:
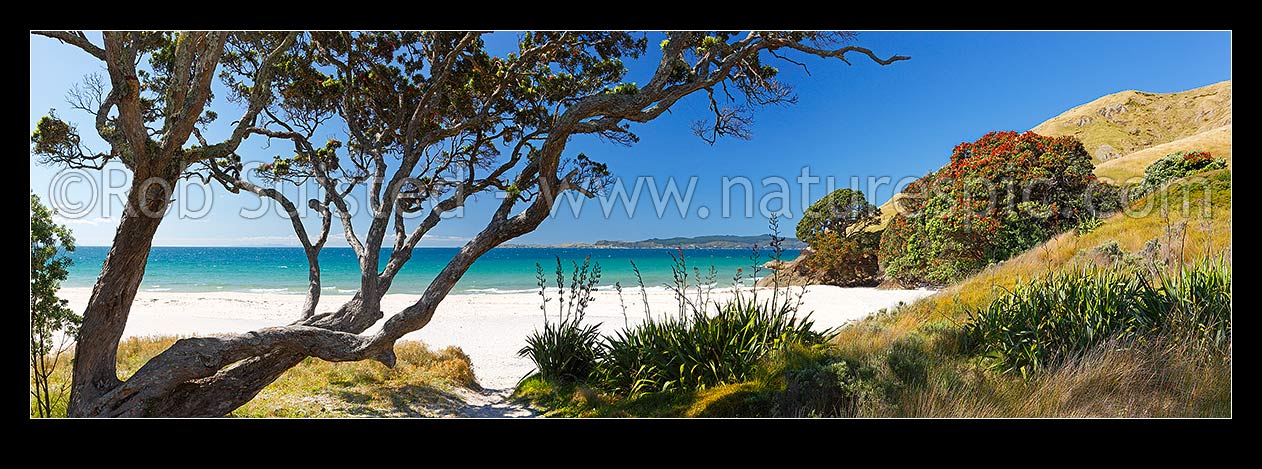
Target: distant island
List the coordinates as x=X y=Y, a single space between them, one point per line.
x=695 y=242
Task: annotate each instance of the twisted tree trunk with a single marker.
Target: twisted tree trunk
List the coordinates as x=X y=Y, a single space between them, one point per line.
x=95 y=363
x=157 y=157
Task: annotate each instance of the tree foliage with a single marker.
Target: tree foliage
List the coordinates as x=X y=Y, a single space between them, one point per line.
x=423 y=121
x=998 y=196
x=52 y=322
x=843 y=211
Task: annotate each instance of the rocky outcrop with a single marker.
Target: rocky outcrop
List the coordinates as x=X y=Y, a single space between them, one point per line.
x=1107 y=152
x=790 y=273
x=797 y=273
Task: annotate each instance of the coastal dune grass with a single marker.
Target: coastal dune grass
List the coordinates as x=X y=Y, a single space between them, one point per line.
x=421 y=384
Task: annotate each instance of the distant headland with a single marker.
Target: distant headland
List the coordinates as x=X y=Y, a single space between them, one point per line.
x=695 y=242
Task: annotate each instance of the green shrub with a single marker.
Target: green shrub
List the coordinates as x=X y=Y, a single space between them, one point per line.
x=836 y=227
x=53 y=324
x=1174 y=166
x=1111 y=254
x=908 y=361
x=816 y=383
x=1061 y=314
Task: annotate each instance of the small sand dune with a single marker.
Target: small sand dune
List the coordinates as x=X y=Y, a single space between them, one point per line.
x=491 y=328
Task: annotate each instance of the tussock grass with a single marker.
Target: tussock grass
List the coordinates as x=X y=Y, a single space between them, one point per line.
x=1118 y=378
x=420 y=384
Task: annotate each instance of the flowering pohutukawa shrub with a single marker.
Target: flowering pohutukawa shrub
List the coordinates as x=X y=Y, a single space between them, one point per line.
x=1000 y=195
x=1174 y=166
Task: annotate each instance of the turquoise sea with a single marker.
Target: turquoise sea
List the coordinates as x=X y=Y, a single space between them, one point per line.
x=503 y=270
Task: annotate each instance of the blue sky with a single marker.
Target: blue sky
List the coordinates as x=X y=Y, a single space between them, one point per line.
x=862 y=120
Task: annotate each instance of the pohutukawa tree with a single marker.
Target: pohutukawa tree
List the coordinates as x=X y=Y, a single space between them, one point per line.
x=843 y=211
x=146 y=117
x=427 y=120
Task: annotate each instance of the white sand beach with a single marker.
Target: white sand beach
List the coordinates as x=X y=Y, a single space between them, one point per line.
x=491 y=327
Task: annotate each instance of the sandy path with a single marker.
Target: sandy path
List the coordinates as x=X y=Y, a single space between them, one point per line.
x=489 y=327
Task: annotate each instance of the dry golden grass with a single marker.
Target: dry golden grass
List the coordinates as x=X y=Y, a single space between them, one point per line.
x=1114 y=379
x=1133 y=120
x=721 y=401
x=888 y=210
x=1129 y=169
x=419 y=385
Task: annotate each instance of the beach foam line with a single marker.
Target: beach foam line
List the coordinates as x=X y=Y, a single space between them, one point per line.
x=497 y=290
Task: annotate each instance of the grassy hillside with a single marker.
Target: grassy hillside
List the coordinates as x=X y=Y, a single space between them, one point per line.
x=1122 y=123
x=887 y=213
x=1121 y=170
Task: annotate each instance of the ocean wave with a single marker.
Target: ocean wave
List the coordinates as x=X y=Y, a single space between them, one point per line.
x=626 y=289
x=282 y=267
x=157 y=289
x=498 y=290
x=268 y=290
